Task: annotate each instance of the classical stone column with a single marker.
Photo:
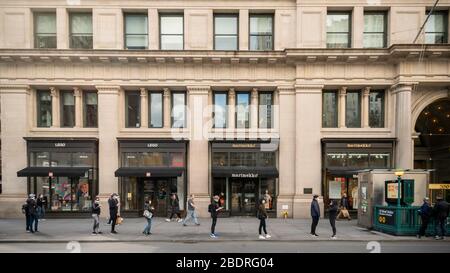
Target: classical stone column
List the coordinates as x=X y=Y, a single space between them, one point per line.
x=231 y=109
x=14 y=101
x=144 y=108
x=54 y=92
x=308 y=161
x=108 y=130
x=77 y=92
x=254 y=109
x=198 y=170
x=365 y=107
x=167 y=110
x=286 y=153
x=341 y=107
x=403 y=128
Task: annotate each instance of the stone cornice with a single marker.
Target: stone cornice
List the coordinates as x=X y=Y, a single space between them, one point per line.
x=14 y=89
x=308 y=89
x=286 y=90
x=108 y=89
x=198 y=90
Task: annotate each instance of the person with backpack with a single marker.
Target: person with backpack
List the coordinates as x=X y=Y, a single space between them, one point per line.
x=332 y=211
x=214 y=209
x=425 y=214
x=149 y=210
x=96 y=209
x=440 y=213
x=262 y=216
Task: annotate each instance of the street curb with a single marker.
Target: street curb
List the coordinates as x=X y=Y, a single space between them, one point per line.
x=219 y=240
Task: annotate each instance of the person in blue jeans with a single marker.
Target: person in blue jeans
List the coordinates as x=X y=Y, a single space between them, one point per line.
x=315 y=215
x=440 y=212
x=32 y=214
x=191 y=214
x=149 y=210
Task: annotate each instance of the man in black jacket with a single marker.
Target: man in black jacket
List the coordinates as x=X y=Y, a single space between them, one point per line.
x=440 y=212
x=332 y=211
x=113 y=203
x=315 y=215
x=214 y=209
x=32 y=213
x=425 y=213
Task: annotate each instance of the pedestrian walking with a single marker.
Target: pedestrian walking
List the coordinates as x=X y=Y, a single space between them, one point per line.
x=149 y=210
x=174 y=208
x=96 y=210
x=344 y=208
x=440 y=212
x=26 y=212
x=191 y=213
x=113 y=203
x=425 y=214
x=262 y=216
x=332 y=211
x=32 y=212
x=315 y=215
x=214 y=209
x=41 y=204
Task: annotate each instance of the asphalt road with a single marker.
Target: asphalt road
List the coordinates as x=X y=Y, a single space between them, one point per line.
x=230 y=247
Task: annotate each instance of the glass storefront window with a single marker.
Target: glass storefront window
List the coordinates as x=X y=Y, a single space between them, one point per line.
x=353 y=109
x=242 y=110
x=246 y=159
x=268 y=192
x=156 y=110
x=44 y=109
x=82 y=160
x=90 y=112
x=130 y=159
x=40 y=159
x=176 y=159
x=67 y=109
x=220 y=159
x=128 y=196
x=336 y=159
x=82 y=200
x=43 y=187
x=358 y=160
x=381 y=160
x=265 y=110
x=220 y=109
x=266 y=159
x=133 y=110
x=61 y=194
x=155 y=159
x=220 y=189
x=61 y=159
x=329 y=109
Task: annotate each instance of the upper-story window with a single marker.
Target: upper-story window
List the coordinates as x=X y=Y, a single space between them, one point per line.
x=136 y=31
x=242 y=109
x=178 y=112
x=45 y=30
x=436 y=28
x=375 y=29
x=133 y=109
x=67 y=109
x=90 y=113
x=171 y=32
x=226 y=32
x=156 y=110
x=220 y=102
x=338 y=29
x=265 y=112
x=353 y=109
x=44 y=109
x=261 y=32
x=329 y=109
x=376 y=109
x=81 y=30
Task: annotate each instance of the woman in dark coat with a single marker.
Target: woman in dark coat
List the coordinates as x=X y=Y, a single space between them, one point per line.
x=332 y=211
x=174 y=208
x=262 y=215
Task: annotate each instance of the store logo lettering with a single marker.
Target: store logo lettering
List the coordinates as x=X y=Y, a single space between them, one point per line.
x=245 y=175
x=152 y=145
x=60 y=144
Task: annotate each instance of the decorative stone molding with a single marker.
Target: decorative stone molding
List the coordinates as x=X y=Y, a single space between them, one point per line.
x=54 y=92
x=402 y=87
x=198 y=90
x=143 y=92
x=77 y=91
x=231 y=93
x=308 y=89
x=286 y=90
x=254 y=93
x=366 y=91
x=15 y=89
x=166 y=92
x=343 y=91
x=108 y=89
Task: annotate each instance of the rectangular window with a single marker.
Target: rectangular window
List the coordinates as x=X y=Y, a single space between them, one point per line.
x=171 y=32
x=353 y=109
x=156 y=110
x=81 y=30
x=44 y=109
x=220 y=109
x=380 y=160
x=136 y=31
x=242 y=110
x=338 y=29
x=376 y=109
x=133 y=110
x=178 y=112
x=90 y=113
x=265 y=109
x=358 y=160
x=226 y=32
x=329 y=109
x=375 y=29
x=266 y=159
x=155 y=159
x=261 y=32
x=436 y=28
x=220 y=159
x=45 y=30
x=336 y=159
x=67 y=109
x=40 y=159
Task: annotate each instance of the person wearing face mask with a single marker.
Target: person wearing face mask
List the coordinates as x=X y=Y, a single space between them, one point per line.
x=332 y=211
x=96 y=216
x=41 y=204
x=315 y=215
x=214 y=209
x=262 y=216
x=149 y=210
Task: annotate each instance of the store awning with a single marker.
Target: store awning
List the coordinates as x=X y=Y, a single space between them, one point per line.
x=245 y=172
x=53 y=171
x=149 y=172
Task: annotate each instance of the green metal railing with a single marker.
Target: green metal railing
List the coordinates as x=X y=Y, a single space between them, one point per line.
x=402 y=220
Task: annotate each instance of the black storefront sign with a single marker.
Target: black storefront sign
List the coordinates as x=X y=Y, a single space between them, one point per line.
x=386 y=216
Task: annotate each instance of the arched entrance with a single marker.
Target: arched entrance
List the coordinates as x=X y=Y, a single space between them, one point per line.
x=432 y=146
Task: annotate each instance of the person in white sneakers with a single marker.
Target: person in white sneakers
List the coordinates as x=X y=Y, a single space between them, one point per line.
x=262 y=216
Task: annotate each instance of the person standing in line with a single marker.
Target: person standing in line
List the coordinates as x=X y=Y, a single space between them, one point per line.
x=113 y=211
x=440 y=212
x=191 y=213
x=262 y=216
x=41 y=204
x=214 y=209
x=332 y=211
x=174 y=208
x=109 y=218
x=344 y=208
x=96 y=210
x=315 y=215
x=26 y=212
x=32 y=211
x=149 y=210
x=425 y=214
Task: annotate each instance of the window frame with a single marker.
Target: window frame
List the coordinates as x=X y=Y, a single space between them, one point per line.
x=38 y=107
x=171 y=109
x=85 y=93
x=335 y=112
x=236 y=110
x=136 y=93
x=149 y=95
x=350 y=26
x=226 y=108
x=36 y=34
x=383 y=115
x=359 y=107
x=125 y=31
x=61 y=108
x=385 y=27
x=251 y=15
x=271 y=93
x=226 y=15
x=72 y=35
x=161 y=34
x=446 y=25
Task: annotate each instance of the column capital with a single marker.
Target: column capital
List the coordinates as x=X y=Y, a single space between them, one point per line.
x=254 y=93
x=143 y=92
x=402 y=87
x=54 y=91
x=231 y=92
x=343 y=91
x=166 y=92
x=77 y=91
x=366 y=91
x=286 y=90
x=108 y=89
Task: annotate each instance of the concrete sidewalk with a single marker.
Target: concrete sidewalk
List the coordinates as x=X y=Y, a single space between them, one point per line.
x=228 y=229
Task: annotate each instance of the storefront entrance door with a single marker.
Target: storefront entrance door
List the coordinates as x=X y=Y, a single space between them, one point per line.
x=157 y=190
x=244 y=197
